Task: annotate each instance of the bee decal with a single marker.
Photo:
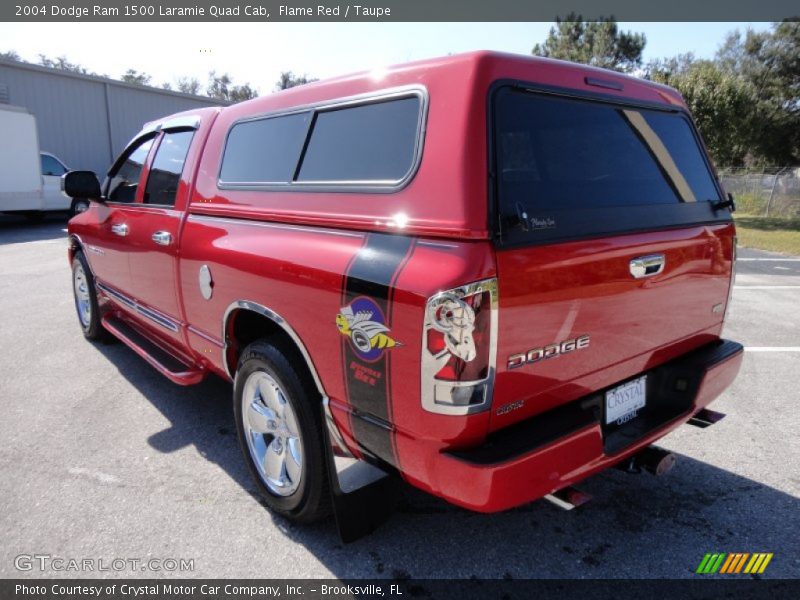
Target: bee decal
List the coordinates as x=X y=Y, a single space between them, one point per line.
x=362 y=321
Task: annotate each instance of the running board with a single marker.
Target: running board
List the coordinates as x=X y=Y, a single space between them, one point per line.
x=706 y=418
x=163 y=361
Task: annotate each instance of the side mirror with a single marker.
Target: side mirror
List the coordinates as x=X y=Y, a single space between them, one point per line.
x=81 y=184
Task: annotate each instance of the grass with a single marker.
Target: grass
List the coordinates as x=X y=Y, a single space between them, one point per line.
x=768 y=233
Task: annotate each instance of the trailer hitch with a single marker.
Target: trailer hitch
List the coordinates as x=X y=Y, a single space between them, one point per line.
x=652 y=459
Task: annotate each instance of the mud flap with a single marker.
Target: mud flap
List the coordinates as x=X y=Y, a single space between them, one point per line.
x=364 y=496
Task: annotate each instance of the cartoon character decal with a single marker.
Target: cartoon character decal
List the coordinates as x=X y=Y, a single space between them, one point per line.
x=363 y=322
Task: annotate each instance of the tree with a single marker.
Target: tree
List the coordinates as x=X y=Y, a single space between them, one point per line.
x=720 y=102
x=661 y=69
x=188 y=85
x=770 y=62
x=221 y=87
x=10 y=55
x=135 y=77
x=289 y=80
x=218 y=86
x=240 y=93
x=62 y=63
x=166 y=86
x=598 y=43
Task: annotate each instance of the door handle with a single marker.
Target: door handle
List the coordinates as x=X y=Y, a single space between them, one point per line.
x=647 y=266
x=162 y=238
x=120 y=229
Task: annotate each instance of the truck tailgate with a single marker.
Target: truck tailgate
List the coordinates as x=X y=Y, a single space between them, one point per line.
x=614 y=247
x=556 y=293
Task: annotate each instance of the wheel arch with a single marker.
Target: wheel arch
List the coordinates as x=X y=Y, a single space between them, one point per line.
x=74 y=245
x=245 y=321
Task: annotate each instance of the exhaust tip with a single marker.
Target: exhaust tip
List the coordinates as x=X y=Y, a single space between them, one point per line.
x=568 y=498
x=706 y=418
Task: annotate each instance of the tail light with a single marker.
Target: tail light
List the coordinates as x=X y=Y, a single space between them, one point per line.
x=459 y=349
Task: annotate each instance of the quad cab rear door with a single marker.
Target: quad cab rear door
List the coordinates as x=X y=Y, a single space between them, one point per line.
x=613 y=252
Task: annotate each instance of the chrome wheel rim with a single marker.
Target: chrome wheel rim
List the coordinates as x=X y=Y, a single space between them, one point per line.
x=83 y=302
x=272 y=434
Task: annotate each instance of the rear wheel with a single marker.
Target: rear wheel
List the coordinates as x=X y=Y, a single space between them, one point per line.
x=85 y=293
x=280 y=433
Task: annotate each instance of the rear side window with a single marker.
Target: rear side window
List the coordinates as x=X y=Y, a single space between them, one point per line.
x=165 y=172
x=567 y=167
x=372 y=144
x=264 y=150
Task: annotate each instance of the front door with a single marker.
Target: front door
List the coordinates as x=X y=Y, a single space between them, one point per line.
x=107 y=243
x=153 y=238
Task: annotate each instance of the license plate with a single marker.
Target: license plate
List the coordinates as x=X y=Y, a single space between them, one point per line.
x=624 y=401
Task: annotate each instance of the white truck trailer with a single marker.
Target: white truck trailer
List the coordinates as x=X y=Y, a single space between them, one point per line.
x=30 y=180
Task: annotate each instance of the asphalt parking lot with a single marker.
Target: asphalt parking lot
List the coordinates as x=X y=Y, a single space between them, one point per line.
x=103 y=458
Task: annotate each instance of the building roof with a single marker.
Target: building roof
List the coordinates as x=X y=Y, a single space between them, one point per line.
x=16 y=64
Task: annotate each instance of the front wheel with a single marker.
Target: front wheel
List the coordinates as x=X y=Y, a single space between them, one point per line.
x=86 y=306
x=279 y=427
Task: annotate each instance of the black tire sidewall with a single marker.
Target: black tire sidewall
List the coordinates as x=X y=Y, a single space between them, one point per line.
x=74 y=206
x=94 y=330
x=304 y=503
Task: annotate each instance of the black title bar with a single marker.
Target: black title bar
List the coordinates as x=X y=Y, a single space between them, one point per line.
x=394 y=10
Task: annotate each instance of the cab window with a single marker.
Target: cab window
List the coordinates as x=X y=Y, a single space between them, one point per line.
x=165 y=172
x=124 y=176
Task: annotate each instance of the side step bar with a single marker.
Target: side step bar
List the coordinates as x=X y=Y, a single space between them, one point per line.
x=166 y=363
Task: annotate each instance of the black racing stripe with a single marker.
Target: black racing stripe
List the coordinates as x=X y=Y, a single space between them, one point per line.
x=371 y=274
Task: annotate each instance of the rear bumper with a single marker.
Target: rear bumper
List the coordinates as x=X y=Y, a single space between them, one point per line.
x=558 y=448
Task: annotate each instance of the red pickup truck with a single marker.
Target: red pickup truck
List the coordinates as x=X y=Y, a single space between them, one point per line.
x=491 y=275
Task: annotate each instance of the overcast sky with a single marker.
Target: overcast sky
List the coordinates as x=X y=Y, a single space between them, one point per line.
x=258 y=52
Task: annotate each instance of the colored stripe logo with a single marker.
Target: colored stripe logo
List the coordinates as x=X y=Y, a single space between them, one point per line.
x=732 y=563
x=369 y=284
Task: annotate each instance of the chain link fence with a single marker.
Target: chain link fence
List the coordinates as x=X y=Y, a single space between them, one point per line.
x=766 y=192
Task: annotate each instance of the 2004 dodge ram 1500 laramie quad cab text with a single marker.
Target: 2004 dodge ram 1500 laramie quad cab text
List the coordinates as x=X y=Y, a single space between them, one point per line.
x=490 y=275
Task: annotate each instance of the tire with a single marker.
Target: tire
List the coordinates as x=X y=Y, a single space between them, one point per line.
x=78 y=206
x=85 y=293
x=278 y=419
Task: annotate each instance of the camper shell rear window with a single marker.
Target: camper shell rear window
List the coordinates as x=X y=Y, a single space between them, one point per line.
x=567 y=167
